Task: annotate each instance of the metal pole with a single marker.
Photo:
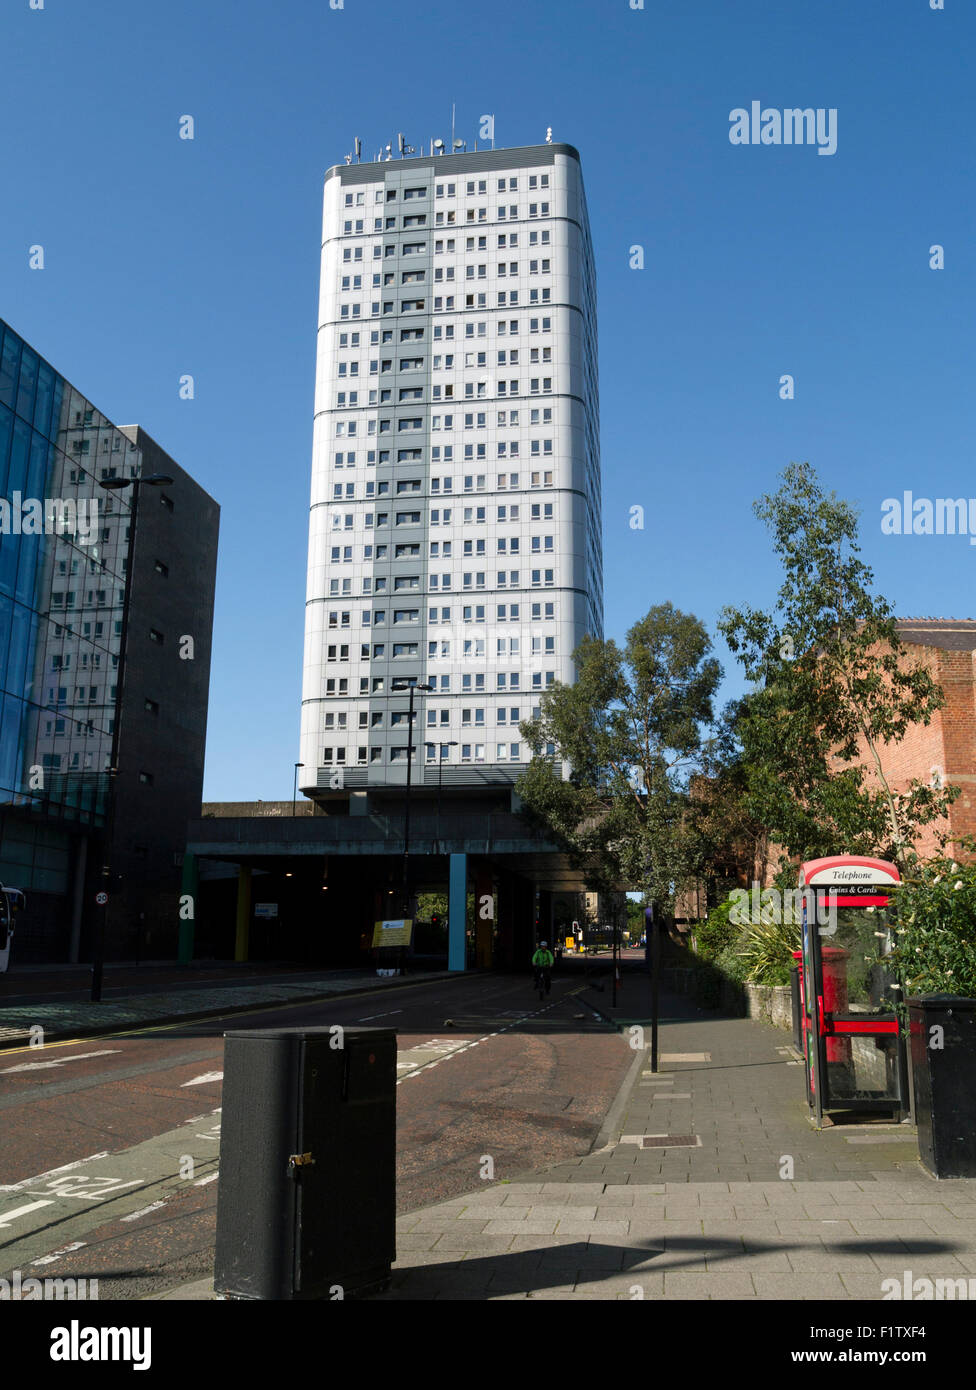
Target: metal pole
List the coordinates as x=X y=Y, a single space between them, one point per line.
x=406 y=818
x=440 y=777
x=613 y=955
x=294 y=795
x=98 y=953
x=655 y=987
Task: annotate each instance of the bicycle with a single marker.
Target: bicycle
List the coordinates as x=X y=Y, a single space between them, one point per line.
x=543 y=981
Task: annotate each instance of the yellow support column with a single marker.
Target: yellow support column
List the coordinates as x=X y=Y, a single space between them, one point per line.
x=243 y=912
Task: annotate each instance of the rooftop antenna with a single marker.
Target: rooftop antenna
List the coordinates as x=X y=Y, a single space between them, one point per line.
x=348 y=158
x=358 y=147
x=437 y=145
x=452 y=127
x=401 y=144
x=548 y=134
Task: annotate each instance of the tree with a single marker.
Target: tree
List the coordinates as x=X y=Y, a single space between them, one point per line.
x=632 y=729
x=833 y=679
x=734 y=844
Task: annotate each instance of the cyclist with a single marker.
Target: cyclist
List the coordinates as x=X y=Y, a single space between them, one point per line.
x=542 y=963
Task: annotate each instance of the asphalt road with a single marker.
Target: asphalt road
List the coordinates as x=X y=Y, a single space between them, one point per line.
x=109 y=1146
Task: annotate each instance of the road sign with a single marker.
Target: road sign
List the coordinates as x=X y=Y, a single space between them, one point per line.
x=101 y=899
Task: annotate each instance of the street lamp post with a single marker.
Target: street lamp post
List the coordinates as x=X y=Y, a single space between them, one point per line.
x=452 y=743
x=294 y=795
x=413 y=686
x=117 y=485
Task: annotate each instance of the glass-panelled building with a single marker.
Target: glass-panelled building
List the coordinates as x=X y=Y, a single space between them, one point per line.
x=65 y=548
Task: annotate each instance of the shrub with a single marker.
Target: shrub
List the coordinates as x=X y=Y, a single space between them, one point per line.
x=936 y=921
x=766 y=949
x=716 y=933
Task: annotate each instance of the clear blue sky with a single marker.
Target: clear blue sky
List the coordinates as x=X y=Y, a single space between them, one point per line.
x=166 y=256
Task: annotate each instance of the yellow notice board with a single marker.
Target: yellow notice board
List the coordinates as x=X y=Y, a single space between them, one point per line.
x=570 y=943
x=395 y=932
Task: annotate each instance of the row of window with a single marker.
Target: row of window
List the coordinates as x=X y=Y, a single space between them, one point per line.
x=505 y=357
x=406 y=424
x=438 y=454
x=472 y=390
x=475 y=329
x=445 y=304
x=86 y=661
x=470 y=753
x=438 y=650
x=442 y=581
x=443 y=516
x=504 y=612
x=410 y=221
x=505 y=511
x=502 y=270
x=508 y=184
x=375 y=719
x=470 y=646
x=505 y=241
x=472 y=482
x=504 y=681
x=57 y=762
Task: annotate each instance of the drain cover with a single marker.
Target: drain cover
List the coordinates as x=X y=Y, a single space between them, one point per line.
x=671 y=1141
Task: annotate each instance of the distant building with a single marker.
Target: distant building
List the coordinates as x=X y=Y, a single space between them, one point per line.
x=944 y=751
x=455 y=535
x=67 y=552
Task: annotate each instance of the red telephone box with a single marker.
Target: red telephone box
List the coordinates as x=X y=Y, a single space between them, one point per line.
x=855 y=1057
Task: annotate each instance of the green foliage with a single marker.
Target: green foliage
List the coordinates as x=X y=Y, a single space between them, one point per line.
x=732 y=964
x=632 y=729
x=766 y=950
x=832 y=679
x=432 y=905
x=936 y=908
x=716 y=932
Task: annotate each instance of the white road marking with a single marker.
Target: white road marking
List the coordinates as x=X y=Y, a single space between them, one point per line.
x=143 y=1211
x=389 y=1013
x=202 y=1182
x=56 y=1254
x=51 y=1173
x=453 y=1050
x=204 y=1079
x=8 y=1216
x=92 y=1188
x=78 y=1057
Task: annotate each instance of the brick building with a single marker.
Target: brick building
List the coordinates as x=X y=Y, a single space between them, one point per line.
x=946 y=747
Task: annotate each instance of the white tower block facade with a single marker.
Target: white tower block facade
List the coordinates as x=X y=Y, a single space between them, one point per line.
x=455 y=533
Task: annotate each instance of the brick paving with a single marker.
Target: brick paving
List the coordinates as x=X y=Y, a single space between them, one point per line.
x=762 y=1207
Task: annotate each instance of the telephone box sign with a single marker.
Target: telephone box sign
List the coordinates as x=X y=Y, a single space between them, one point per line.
x=858 y=882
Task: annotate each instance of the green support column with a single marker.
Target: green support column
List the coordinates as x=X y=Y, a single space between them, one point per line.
x=189 y=895
x=242 y=943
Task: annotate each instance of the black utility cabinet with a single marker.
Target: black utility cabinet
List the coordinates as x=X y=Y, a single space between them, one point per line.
x=944 y=1073
x=306 y=1199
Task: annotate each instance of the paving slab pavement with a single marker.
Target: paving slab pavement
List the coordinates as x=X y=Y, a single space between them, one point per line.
x=760 y=1207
